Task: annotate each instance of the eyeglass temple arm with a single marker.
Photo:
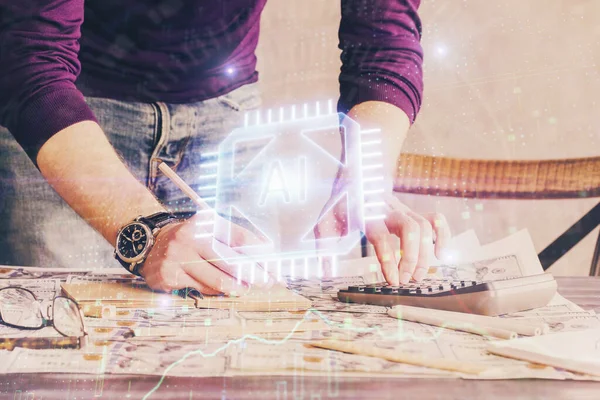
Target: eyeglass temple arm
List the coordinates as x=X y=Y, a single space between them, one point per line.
x=40 y=343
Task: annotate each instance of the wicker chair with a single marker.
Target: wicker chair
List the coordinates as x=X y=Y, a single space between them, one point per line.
x=494 y=179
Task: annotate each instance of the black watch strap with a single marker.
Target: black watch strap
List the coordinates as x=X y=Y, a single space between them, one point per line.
x=160 y=219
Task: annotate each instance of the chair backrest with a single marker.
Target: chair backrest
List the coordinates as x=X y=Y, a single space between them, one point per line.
x=536 y=179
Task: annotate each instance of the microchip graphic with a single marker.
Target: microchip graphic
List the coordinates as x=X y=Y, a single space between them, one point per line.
x=276 y=178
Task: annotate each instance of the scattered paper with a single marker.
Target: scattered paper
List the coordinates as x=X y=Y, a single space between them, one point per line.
x=577 y=351
x=221 y=347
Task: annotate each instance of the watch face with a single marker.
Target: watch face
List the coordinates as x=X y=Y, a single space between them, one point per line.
x=132 y=241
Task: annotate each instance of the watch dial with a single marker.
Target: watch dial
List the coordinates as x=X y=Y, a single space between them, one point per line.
x=132 y=240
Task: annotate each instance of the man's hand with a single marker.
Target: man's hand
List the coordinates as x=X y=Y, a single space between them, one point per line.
x=182 y=257
x=416 y=233
x=84 y=169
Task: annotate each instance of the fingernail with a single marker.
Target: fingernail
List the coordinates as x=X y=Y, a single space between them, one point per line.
x=420 y=274
x=405 y=277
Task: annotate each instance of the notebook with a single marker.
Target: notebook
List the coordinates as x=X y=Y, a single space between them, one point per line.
x=127 y=295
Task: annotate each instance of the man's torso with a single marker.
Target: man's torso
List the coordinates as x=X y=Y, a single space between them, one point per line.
x=176 y=51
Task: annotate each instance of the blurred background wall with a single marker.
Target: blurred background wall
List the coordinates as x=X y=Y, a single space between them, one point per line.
x=504 y=79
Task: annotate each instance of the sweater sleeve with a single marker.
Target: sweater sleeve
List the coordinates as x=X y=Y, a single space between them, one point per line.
x=382 y=57
x=39 y=43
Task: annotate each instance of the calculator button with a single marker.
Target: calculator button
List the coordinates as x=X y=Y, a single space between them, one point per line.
x=372 y=289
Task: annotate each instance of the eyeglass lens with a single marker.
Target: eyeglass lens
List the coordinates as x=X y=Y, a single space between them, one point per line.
x=19 y=307
x=67 y=319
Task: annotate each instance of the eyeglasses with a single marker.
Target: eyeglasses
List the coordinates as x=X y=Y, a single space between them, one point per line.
x=19 y=308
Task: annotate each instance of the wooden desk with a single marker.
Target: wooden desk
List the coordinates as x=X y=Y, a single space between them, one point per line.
x=584 y=291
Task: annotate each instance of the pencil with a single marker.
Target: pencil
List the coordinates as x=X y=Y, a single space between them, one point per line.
x=400 y=357
x=189 y=192
x=463 y=319
x=185 y=188
x=423 y=317
x=513 y=324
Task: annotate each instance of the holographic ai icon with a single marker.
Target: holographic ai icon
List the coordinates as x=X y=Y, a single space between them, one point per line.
x=276 y=177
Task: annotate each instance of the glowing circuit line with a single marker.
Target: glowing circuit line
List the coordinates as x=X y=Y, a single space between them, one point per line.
x=206 y=211
x=375 y=191
x=209 y=165
x=375 y=217
x=207 y=187
x=209 y=176
x=369 y=131
x=210 y=154
x=373 y=179
x=373 y=154
x=374 y=166
x=371 y=142
x=374 y=204
x=205 y=223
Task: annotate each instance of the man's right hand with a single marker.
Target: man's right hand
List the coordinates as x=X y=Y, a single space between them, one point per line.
x=85 y=171
x=180 y=259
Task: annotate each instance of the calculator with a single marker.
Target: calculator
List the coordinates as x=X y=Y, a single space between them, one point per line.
x=484 y=298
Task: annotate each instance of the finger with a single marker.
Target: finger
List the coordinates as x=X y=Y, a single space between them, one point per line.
x=234 y=271
x=202 y=271
x=240 y=238
x=326 y=263
x=204 y=249
x=332 y=226
x=425 y=246
x=326 y=228
x=209 y=275
x=186 y=281
x=382 y=242
x=441 y=230
x=408 y=230
x=172 y=277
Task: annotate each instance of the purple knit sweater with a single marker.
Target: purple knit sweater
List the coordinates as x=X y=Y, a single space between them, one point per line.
x=52 y=52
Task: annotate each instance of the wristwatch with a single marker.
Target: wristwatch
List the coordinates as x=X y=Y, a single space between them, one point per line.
x=135 y=240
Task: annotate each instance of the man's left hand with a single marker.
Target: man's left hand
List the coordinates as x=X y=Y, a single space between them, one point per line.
x=419 y=234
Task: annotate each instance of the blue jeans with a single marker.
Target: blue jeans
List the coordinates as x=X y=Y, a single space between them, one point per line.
x=37 y=228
